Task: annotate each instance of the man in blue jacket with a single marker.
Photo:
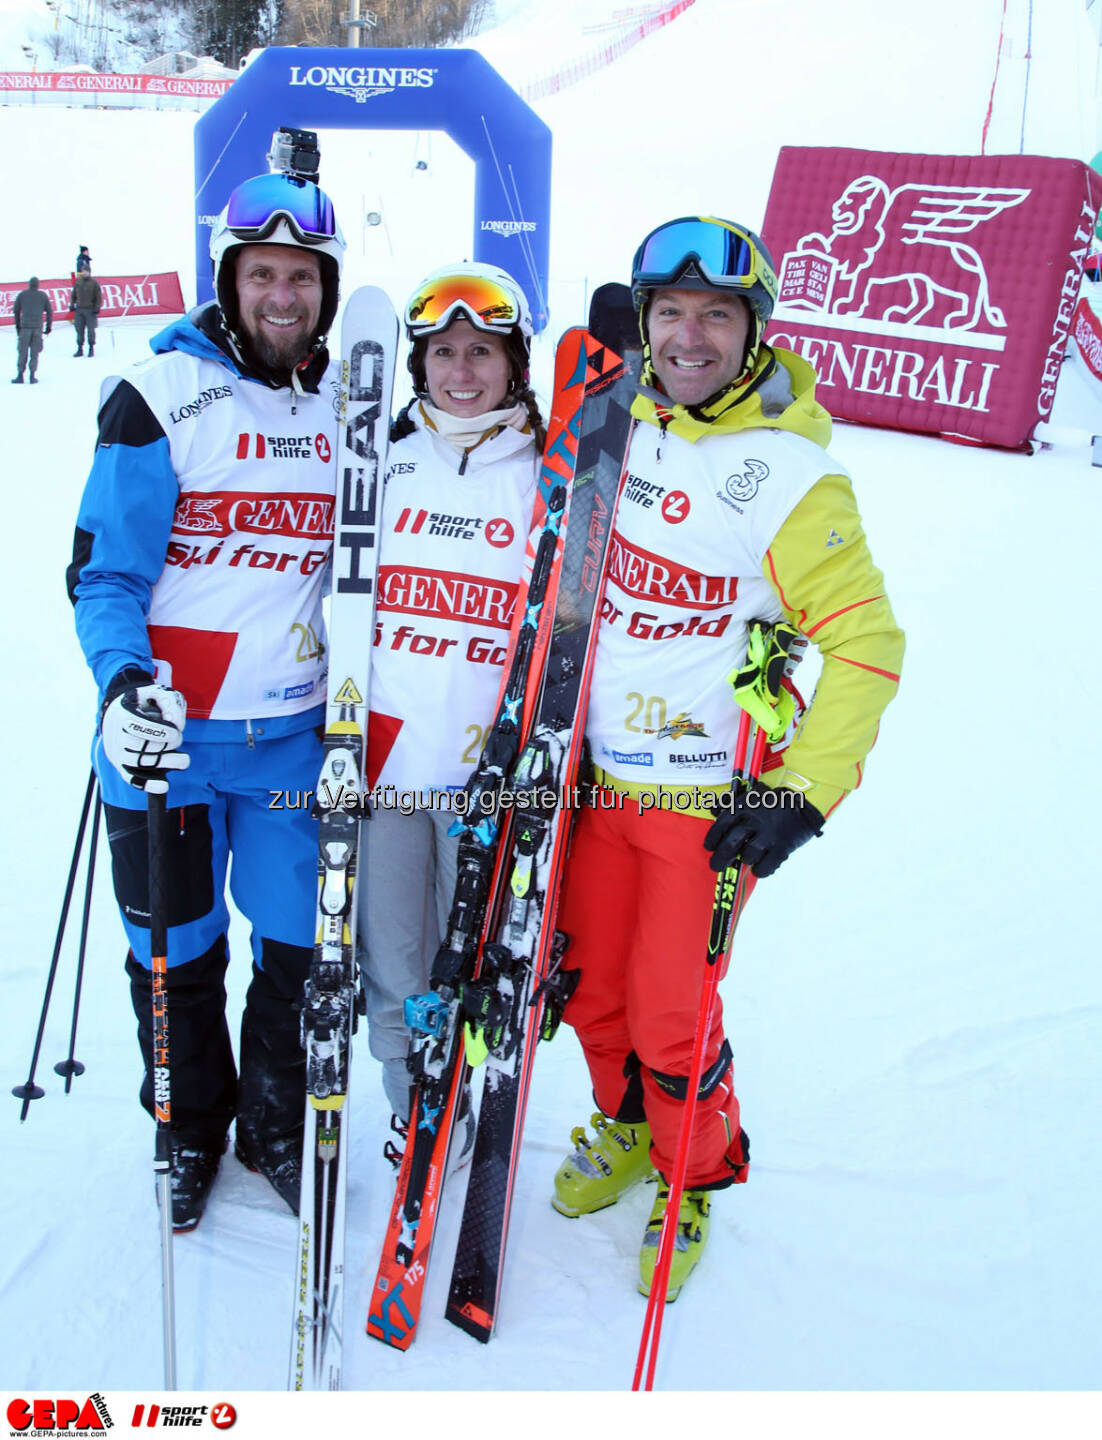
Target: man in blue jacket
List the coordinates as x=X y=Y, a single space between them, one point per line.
x=201 y=544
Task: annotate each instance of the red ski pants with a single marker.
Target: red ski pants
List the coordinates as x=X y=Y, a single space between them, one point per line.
x=637 y=904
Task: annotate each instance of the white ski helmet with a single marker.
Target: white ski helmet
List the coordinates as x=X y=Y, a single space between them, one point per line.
x=278 y=209
x=485 y=295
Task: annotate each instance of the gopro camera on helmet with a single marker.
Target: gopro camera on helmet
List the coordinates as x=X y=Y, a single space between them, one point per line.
x=295 y=153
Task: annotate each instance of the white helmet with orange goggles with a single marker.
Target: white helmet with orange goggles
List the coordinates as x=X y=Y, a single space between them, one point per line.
x=483 y=294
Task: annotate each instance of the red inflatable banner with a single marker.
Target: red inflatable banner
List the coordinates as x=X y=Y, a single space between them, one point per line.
x=122 y=295
x=931 y=292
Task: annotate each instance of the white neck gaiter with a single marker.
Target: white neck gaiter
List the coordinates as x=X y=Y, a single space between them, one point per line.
x=466 y=431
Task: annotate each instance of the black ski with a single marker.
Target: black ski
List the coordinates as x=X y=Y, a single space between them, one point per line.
x=522 y=983
x=438 y=1062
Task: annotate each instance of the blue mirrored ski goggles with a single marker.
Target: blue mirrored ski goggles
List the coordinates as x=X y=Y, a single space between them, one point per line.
x=724 y=254
x=256 y=207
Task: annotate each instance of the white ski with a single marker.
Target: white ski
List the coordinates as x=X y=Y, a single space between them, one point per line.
x=369 y=344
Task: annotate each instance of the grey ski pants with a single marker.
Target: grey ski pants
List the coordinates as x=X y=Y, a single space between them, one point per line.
x=407 y=882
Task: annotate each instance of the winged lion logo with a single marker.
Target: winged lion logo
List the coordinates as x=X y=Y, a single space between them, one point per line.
x=899 y=255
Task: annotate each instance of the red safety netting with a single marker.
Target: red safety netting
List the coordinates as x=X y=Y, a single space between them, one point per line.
x=590 y=64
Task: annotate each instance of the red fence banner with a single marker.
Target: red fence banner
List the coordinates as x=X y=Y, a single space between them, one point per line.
x=1086 y=331
x=122 y=295
x=931 y=292
x=59 y=81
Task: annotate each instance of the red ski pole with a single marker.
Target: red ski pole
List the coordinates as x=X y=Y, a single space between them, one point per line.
x=772 y=654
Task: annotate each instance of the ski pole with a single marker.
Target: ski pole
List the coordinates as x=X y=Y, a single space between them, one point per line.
x=772 y=653
x=162 y=1090
x=70 y=1067
x=30 y=1091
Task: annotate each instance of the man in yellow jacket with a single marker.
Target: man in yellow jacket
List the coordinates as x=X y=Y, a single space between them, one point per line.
x=732 y=511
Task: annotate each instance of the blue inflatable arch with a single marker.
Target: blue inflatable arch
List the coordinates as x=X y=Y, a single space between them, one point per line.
x=456 y=91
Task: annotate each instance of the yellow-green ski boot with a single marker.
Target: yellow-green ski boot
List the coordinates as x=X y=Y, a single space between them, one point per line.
x=602 y=1169
x=692 y=1235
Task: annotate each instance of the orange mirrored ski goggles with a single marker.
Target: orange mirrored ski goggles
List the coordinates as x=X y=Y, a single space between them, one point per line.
x=487 y=305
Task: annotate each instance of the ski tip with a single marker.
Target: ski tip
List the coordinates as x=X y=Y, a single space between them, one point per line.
x=368 y=294
x=612 y=318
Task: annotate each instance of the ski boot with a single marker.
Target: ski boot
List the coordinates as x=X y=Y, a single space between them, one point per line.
x=601 y=1170
x=194 y=1167
x=272 y=1079
x=692 y=1235
x=279 y=1160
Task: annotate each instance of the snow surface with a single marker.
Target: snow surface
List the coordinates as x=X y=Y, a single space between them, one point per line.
x=913 y=1009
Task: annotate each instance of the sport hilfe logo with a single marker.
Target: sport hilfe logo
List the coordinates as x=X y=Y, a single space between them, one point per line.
x=676 y=507
x=284 y=447
x=222 y=1415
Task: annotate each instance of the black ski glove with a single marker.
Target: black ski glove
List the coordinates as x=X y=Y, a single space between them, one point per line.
x=762 y=829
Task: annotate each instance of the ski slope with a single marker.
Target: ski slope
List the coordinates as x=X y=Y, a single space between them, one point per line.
x=913 y=1009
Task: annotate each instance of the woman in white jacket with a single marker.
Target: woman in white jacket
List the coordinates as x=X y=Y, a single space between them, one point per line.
x=460 y=489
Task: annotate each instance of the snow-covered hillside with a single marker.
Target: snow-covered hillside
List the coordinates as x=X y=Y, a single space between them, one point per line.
x=913 y=1008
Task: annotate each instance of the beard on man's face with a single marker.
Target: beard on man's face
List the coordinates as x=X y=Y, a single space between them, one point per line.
x=276 y=352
